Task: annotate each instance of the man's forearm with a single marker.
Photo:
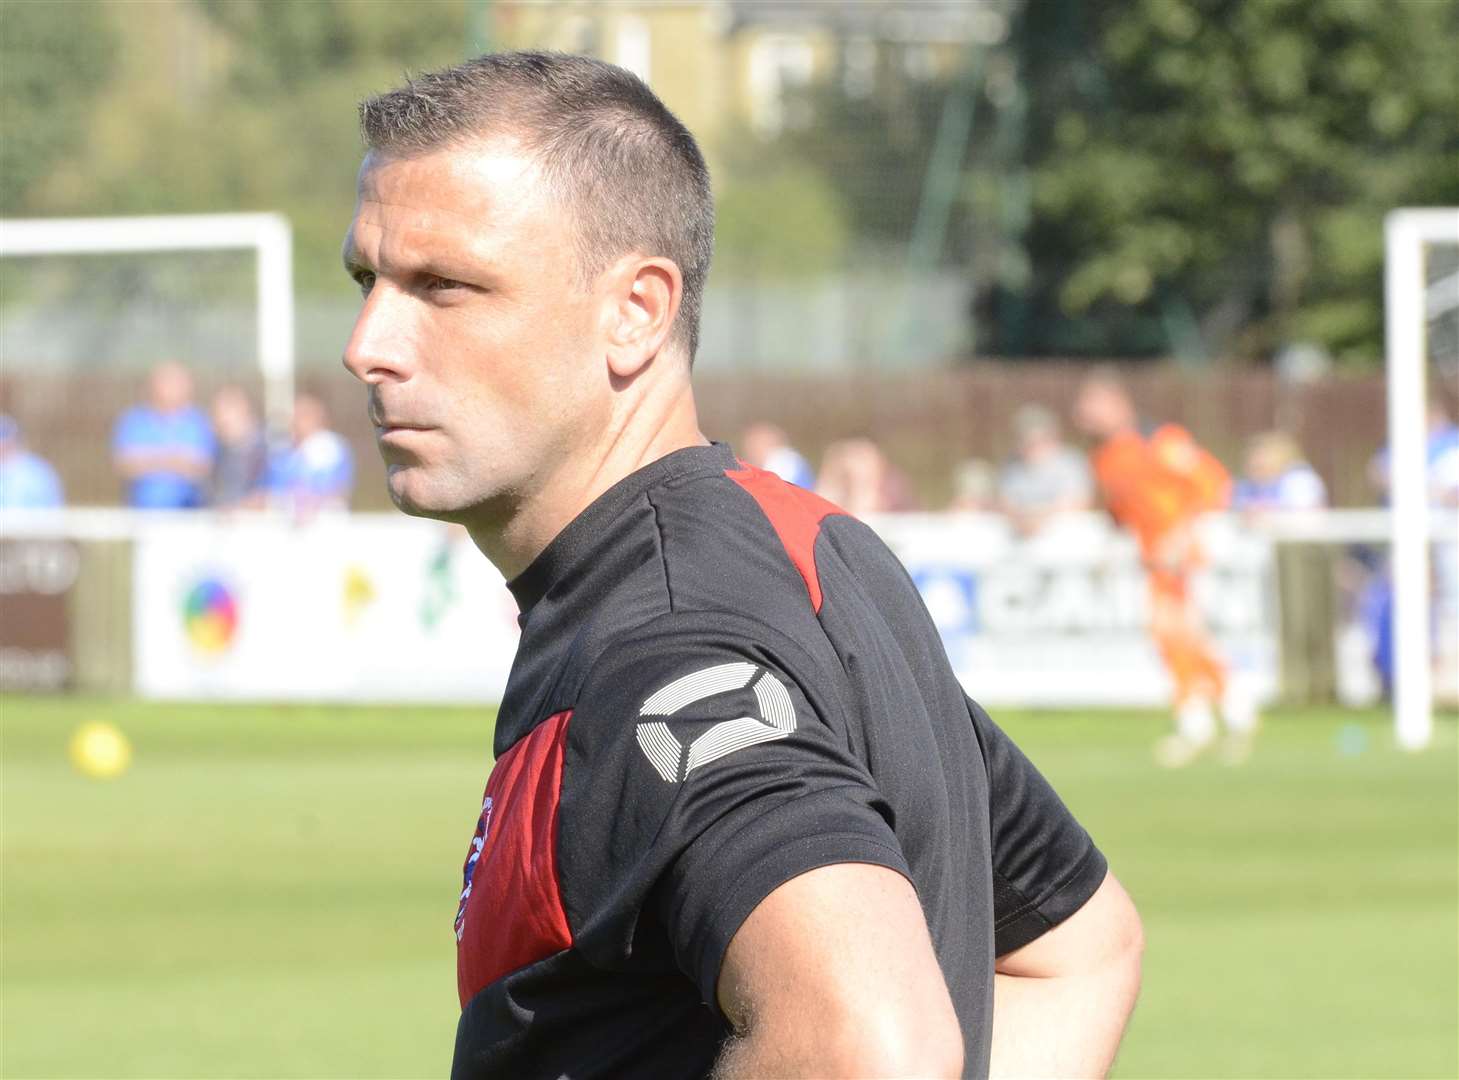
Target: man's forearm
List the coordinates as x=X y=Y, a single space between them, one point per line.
x=186 y=463
x=1066 y=1027
x=192 y=464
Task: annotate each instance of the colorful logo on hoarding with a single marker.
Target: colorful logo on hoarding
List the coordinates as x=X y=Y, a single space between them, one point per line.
x=210 y=616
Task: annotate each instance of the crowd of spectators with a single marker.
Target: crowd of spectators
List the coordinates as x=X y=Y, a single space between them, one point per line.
x=173 y=456
x=1368 y=573
x=169 y=454
x=1044 y=479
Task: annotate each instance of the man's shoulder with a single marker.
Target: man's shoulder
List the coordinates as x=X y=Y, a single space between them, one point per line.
x=750 y=543
x=742 y=539
x=779 y=497
x=30 y=480
x=194 y=424
x=699 y=649
x=790 y=508
x=682 y=638
x=27 y=463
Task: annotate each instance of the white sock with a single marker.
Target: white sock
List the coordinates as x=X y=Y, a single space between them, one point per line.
x=1195 y=720
x=1238 y=708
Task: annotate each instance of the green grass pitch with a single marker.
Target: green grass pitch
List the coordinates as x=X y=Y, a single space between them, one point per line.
x=269 y=892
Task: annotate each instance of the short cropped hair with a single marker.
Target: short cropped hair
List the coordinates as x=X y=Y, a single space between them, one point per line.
x=620 y=163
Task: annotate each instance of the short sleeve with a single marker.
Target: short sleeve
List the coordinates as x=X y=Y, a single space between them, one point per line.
x=703 y=770
x=1045 y=866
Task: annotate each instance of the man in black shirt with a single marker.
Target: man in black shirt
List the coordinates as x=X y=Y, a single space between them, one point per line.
x=743 y=819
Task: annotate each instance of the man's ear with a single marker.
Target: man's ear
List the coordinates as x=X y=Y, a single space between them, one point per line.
x=644 y=298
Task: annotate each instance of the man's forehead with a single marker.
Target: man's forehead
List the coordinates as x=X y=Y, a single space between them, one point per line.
x=464 y=192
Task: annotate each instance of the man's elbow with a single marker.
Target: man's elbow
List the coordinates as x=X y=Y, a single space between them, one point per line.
x=1135 y=937
x=903 y=1047
x=1130 y=949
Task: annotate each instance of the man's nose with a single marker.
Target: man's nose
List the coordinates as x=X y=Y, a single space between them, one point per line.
x=379 y=349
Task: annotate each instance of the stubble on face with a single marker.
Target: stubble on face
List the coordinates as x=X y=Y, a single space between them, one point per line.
x=476 y=338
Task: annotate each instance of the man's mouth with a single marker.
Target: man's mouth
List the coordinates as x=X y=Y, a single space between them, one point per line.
x=385 y=423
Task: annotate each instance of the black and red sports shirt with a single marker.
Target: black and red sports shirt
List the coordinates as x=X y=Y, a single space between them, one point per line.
x=723 y=682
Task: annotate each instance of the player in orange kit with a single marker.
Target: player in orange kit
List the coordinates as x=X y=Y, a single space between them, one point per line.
x=1156 y=483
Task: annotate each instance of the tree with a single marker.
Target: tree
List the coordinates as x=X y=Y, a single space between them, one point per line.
x=1214 y=173
x=263 y=119
x=53 y=62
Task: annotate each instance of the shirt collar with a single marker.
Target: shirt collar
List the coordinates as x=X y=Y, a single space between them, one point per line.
x=581 y=536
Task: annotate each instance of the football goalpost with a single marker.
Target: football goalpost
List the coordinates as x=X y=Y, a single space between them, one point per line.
x=268 y=236
x=1411 y=304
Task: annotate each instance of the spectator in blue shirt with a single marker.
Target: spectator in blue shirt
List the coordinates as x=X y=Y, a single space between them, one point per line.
x=1277 y=477
x=164 y=449
x=318 y=471
x=1441 y=460
x=27 y=481
x=1375 y=601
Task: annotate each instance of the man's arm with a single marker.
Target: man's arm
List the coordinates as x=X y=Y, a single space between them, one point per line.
x=834 y=975
x=1060 y=1003
x=188 y=462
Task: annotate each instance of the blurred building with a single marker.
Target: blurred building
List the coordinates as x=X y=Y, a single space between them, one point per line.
x=803 y=269
x=728 y=64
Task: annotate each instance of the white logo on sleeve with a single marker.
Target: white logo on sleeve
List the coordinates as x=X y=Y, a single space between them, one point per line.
x=667 y=754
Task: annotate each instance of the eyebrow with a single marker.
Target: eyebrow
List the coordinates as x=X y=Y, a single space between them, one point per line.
x=454 y=268
x=351 y=256
x=456 y=262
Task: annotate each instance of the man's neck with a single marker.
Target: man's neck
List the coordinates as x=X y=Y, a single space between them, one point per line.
x=513 y=544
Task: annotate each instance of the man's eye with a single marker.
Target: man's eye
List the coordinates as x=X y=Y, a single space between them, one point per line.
x=434 y=283
x=365 y=279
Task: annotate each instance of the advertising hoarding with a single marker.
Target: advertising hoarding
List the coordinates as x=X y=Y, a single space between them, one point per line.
x=396 y=609
x=37 y=577
x=347 y=609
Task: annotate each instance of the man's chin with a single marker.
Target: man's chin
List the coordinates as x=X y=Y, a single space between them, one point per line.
x=409 y=498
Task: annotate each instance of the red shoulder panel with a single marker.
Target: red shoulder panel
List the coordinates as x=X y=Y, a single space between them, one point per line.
x=511 y=912
x=796 y=515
